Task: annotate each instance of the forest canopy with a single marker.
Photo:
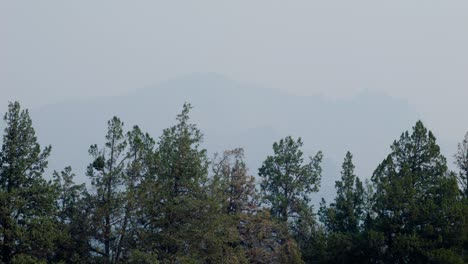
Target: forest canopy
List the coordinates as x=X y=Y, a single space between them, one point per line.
x=165 y=201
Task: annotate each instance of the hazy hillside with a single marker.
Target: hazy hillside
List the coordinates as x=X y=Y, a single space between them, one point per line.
x=233 y=114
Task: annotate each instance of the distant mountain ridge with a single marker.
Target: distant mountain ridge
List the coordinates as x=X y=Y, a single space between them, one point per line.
x=232 y=114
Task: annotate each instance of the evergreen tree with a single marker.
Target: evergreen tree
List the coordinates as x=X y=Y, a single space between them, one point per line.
x=27 y=224
x=179 y=210
x=345 y=214
x=236 y=188
x=286 y=186
x=107 y=178
x=157 y=203
x=343 y=218
x=233 y=189
x=267 y=241
x=461 y=160
x=139 y=161
x=287 y=183
x=73 y=206
x=416 y=201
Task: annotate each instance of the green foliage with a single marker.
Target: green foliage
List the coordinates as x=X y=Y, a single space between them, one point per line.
x=346 y=213
x=231 y=183
x=157 y=203
x=266 y=240
x=416 y=200
x=27 y=226
x=461 y=160
x=107 y=177
x=286 y=186
x=286 y=182
x=26 y=259
x=73 y=209
x=233 y=192
x=290 y=253
x=177 y=201
x=139 y=160
x=344 y=218
x=139 y=257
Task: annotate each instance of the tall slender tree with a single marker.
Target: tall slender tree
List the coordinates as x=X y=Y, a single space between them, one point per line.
x=343 y=218
x=286 y=187
x=346 y=213
x=233 y=191
x=73 y=208
x=179 y=224
x=27 y=201
x=139 y=155
x=107 y=177
x=461 y=160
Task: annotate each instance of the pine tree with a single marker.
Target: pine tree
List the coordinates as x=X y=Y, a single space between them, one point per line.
x=345 y=214
x=416 y=201
x=286 y=187
x=107 y=178
x=178 y=207
x=233 y=191
x=267 y=241
x=27 y=201
x=343 y=218
x=287 y=183
x=461 y=160
x=73 y=209
x=236 y=188
x=138 y=167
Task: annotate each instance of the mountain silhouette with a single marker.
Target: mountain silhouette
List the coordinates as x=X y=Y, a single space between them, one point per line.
x=233 y=114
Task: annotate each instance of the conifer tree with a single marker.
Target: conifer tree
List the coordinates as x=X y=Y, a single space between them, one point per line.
x=236 y=188
x=345 y=214
x=138 y=168
x=157 y=203
x=286 y=187
x=268 y=241
x=287 y=182
x=233 y=190
x=107 y=178
x=416 y=201
x=27 y=202
x=343 y=218
x=461 y=160
x=73 y=207
x=179 y=206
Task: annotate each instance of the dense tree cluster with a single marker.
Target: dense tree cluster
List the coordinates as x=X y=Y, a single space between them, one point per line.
x=165 y=201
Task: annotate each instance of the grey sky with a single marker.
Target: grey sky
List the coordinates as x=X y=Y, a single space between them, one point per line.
x=418 y=50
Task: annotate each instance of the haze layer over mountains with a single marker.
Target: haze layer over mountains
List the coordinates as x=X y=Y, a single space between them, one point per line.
x=233 y=114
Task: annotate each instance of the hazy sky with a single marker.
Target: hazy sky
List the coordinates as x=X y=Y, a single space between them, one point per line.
x=418 y=50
